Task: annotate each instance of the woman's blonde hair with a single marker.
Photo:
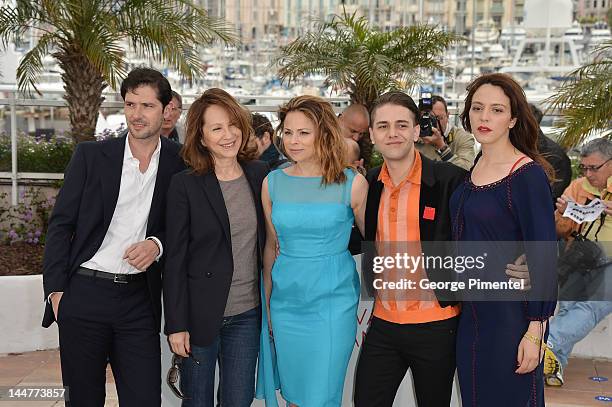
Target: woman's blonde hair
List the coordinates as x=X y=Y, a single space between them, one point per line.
x=330 y=149
x=195 y=154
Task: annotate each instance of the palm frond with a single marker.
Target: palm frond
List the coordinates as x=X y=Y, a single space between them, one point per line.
x=169 y=31
x=584 y=100
x=364 y=61
x=86 y=37
x=10 y=25
x=106 y=55
x=16 y=20
x=31 y=65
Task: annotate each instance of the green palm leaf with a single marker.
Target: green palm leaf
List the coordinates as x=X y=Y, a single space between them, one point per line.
x=363 y=61
x=585 y=100
x=32 y=63
x=85 y=37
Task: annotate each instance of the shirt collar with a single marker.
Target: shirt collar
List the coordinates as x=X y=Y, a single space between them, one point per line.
x=127 y=152
x=413 y=176
x=449 y=128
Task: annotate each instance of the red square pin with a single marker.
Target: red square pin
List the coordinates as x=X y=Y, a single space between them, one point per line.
x=429 y=213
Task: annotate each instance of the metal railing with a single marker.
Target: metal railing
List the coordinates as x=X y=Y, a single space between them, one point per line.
x=14 y=102
x=262 y=104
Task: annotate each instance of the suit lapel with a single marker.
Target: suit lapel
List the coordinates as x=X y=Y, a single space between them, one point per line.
x=372 y=204
x=112 y=166
x=250 y=178
x=212 y=189
x=161 y=186
x=255 y=185
x=429 y=197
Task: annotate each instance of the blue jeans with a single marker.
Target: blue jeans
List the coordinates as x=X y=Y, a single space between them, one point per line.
x=236 y=349
x=573 y=322
x=576 y=319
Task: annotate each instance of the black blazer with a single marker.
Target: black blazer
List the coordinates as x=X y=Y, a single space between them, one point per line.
x=84 y=209
x=439 y=180
x=199 y=263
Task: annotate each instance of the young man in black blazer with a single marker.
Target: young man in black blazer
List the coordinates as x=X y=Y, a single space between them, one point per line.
x=101 y=271
x=411 y=201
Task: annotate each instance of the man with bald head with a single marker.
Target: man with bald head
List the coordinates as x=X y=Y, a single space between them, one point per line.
x=355 y=121
x=354 y=154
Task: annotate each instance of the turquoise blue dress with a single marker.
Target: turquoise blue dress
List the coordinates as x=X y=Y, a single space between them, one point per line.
x=315 y=292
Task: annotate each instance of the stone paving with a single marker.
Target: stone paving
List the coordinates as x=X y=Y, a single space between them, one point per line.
x=43 y=368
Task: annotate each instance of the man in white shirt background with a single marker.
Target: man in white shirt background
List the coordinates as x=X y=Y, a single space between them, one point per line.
x=101 y=276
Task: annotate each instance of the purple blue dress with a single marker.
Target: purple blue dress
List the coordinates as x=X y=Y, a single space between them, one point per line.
x=517 y=209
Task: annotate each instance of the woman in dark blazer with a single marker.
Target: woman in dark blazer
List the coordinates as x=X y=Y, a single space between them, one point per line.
x=215 y=235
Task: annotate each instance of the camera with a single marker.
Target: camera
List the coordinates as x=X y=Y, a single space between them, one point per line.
x=427 y=121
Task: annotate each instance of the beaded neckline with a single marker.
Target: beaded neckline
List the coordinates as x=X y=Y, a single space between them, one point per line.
x=498 y=182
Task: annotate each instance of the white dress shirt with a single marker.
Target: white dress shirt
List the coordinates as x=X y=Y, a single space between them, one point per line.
x=129 y=222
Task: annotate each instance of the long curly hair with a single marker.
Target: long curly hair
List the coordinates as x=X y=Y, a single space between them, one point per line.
x=330 y=149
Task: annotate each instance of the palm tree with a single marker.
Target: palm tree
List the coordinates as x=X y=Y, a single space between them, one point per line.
x=84 y=36
x=364 y=61
x=585 y=99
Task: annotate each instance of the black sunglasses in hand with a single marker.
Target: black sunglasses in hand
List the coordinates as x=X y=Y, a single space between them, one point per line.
x=174 y=373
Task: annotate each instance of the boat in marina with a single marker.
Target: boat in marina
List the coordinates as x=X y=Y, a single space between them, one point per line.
x=576 y=34
x=486 y=32
x=599 y=36
x=511 y=36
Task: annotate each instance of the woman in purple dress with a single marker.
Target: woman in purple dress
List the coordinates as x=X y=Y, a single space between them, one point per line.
x=505 y=205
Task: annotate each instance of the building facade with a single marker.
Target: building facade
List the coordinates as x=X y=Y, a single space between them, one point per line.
x=595 y=9
x=289 y=18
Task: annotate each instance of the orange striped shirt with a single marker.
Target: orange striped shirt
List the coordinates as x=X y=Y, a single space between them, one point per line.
x=398 y=232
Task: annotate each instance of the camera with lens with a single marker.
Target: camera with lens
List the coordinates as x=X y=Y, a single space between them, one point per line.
x=427 y=123
x=428 y=120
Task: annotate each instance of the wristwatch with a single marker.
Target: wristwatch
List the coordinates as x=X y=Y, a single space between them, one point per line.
x=442 y=150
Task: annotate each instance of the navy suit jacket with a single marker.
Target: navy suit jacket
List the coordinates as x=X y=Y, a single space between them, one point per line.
x=84 y=209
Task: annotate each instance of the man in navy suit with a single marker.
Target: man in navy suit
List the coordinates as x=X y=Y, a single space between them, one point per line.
x=101 y=271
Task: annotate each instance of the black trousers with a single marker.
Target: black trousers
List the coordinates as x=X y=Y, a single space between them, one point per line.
x=100 y=322
x=390 y=349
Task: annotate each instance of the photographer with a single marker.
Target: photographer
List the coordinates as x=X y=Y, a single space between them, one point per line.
x=576 y=318
x=439 y=139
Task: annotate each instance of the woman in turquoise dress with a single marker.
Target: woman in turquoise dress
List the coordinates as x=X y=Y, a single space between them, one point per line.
x=310 y=280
